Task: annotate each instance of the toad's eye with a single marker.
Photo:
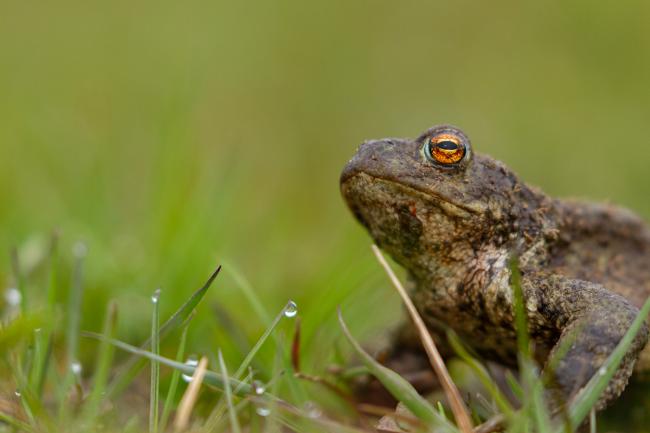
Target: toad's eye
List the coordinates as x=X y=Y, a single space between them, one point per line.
x=445 y=149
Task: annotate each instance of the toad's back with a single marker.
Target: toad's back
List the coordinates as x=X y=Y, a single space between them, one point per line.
x=604 y=244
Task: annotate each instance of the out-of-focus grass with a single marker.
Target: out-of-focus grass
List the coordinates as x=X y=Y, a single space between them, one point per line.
x=171 y=135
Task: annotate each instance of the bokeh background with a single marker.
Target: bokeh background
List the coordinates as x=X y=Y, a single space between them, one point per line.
x=172 y=136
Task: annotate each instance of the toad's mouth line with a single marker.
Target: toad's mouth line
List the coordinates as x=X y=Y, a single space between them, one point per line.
x=411 y=190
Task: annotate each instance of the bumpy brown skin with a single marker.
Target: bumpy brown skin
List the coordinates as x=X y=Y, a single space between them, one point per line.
x=585 y=267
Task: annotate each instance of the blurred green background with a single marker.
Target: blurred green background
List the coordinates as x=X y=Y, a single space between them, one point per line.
x=170 y=136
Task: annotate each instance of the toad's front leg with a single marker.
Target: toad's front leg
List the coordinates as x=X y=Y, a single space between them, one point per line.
x=591 y=321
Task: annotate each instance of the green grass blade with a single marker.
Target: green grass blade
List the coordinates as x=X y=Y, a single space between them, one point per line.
x=43 y=338
x=220 y=407
x=398 y=387
x=260 y=342
x=535 y=397
x=155 y=366
x=74 y=304
x=246 y=288
x=40 y=351
x=521 y=321
x=180 y=316
x=19 y=279
x=15 y=423
x=234 y=422
x=173 y=385
x=105 y=354
x=18 y=330
x=73 y=314
x=132 y=367
x=296 y=387
x=211 y=378
x=515 y=386
x=53 y=272
x=500 y=400
x=33 y=406
x=586 y=399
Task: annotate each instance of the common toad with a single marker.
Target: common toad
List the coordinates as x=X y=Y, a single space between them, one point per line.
x=452 y=219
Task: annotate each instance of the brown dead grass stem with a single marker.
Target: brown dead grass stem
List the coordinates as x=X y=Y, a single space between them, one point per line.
x=186 y=405
x=461 y=414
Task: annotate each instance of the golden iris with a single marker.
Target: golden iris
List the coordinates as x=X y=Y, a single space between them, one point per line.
x=446 y=149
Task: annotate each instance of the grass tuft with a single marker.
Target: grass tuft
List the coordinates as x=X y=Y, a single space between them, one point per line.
x=130 y=369
x=284 y=401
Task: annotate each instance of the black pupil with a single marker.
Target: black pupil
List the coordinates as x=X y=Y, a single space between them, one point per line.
x=447 y=145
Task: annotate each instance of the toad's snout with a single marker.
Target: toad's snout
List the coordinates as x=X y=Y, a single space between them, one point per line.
x=371 y=158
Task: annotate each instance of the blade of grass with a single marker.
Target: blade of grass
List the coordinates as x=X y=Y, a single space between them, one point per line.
x=521 y=321
x=461 y=414
x=19 y=330
x=211 y=378
x=32 y=405
x=481 y=373
x=295 y=386
x=234 y=422
x=74 y=304
x=397 y=386
x=585 y=400
x=173 y=386
x=155 y=366
x=73 y=314
x=43 y=339
x=248 y=291
x=220 y=408
x=52 y=288
x=191 y=394
x=19 y=278
x=102 y=369
x=295 y=347
x=527 y=366
x=179 y=317
x=132 y=367
x=515 y=386
x=15 y=423
x=535 y=396
x=260 y=342
x=36 y=371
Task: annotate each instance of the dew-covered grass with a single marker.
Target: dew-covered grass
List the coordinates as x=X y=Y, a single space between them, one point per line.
x=143 y=144
x=52 y=393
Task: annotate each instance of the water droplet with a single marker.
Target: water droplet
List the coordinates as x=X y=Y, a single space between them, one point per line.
x=263 y=411
x=291 y=309
x=80 y=250
x=75 y=368
x=313 y=411
x=602 y=371
x=192 y=361
x=13 y=297
x=258 y=387
x=156 y=296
